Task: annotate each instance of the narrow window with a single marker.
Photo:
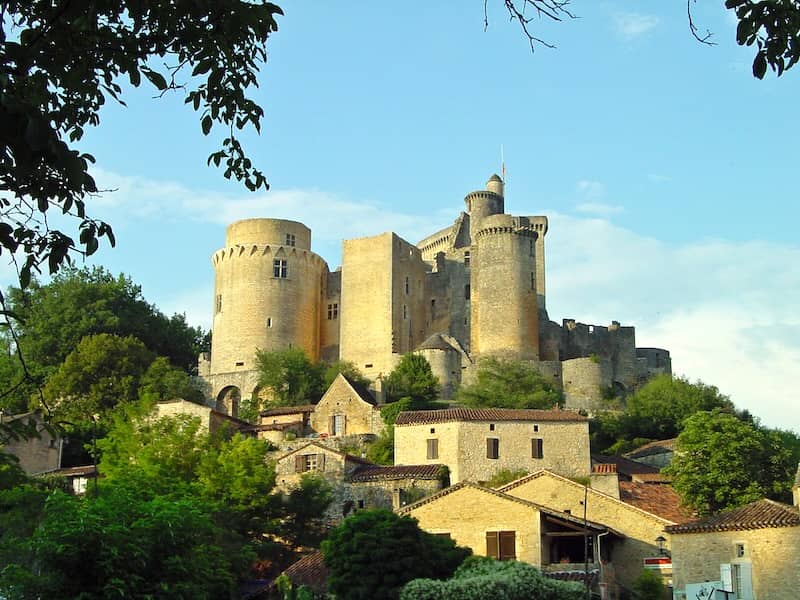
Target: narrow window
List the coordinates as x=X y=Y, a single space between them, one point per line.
x=492 y=448
x=239 y=363
x=433 y=308
x=218 y=304
x=290 y=239
x=360 y=504
x=433 y=449
x=269 y=322
x=531 y=250
x=405 y=311
x=280 y=268
x=407 y=288
x=537 y=448
x=466 y=292
x=333 y=311
x=533 y=281
x=466 y=258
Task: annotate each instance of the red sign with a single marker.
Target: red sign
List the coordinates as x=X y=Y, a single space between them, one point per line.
x=658 y=562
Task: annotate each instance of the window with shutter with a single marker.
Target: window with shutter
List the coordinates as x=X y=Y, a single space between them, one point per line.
x=299 y=463
x=320 y=462
x=492 y=544
x=537 y=448
x=492 y=448
x=433 y=449
x=508 y=545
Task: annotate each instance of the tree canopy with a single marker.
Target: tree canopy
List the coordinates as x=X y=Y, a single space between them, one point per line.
x=504 y=383
x=60 y=63
x=290 y=377
x=373 y=553
x=412 y=378
x=723 y=462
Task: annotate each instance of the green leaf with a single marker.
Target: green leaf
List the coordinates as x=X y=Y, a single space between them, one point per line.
x=206 y=124
x=760 y=65
x=156 y=78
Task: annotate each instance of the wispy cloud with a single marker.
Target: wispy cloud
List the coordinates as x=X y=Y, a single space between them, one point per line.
x=632 y=25
x=591 y=189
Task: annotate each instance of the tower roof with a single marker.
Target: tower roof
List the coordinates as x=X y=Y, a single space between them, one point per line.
x=495 y=177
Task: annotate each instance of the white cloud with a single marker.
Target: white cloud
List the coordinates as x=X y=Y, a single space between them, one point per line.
x=591 y=189
x=722 y=308
x=633 y=25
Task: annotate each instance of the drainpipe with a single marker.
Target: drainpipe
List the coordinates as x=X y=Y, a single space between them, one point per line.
x=599 y=559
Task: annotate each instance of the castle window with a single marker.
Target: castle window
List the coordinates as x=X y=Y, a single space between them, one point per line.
x=239 y=363
x=405 y=311
x=218 y=304
x=466 y=292
x=466 y=258
x=290 y=239
x=433 y=449
x=407 y=287
x=491 y=426
x=333 y=311
x=492 y=448
x=531 y=251
x=280 y=268
x=537 y=448
x=269 y=322
x=533 y=281
x=535 y=428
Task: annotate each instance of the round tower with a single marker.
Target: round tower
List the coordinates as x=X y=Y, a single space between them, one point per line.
x=503 y=309
x=267 y=290
x=484 y=203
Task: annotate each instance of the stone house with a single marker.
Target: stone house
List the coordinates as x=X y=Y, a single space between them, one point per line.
x=638 y=511
x=356 y=482
x=346 y=408
x=274 y=423
x=211 y=419
x=507 y=527
x=752 y=551
x=477 y=443
x=40 y=452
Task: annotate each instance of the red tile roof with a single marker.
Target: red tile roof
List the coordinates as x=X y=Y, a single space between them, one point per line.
x=604 y=468
x=447 y=415
x=656 y=498
x=761 y=514
x=625 y=467
x=309 y=571
x=384 y=473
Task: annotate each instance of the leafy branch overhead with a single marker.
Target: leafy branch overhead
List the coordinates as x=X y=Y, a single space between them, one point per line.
x=60 y=62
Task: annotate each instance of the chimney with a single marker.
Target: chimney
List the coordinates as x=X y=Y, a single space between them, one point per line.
x=604 y=478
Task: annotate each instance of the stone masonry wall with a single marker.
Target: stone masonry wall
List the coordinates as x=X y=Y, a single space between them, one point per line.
x=774 y=554
x=584 y=380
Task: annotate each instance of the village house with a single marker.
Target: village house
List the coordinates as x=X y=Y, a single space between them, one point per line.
x=477 y=443
x=751 y=552
x=211 y=420
x=638 y=511
x=39 y=452
x=357 y=483
x=346 y=408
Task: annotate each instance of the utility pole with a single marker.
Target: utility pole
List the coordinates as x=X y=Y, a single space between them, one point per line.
x=586 y=545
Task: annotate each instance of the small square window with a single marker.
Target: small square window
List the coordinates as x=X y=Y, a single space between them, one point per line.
x=491 y=426
x=290 y=239
x=739 y=550
x=433 y=429
x=535 y=428
x=333 y=311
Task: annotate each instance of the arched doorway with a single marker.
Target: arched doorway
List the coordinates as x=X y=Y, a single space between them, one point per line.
x=228 y=400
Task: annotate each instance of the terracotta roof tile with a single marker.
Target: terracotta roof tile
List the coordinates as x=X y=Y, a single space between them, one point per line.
x=656 y=498
x=625 y=467
x=604 y=468
x=384 y=473
x=422 y=417
x=760 y=514
x=309 y=571
x=657 y=447
x=287 y=410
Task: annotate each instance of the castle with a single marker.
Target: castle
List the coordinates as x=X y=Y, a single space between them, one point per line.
x=473 y=289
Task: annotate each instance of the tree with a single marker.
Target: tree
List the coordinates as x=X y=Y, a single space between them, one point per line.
x=303 y=510
x=373 y=553
x=162 y=381
x=412 y=378
x=61 y=62
x=649 y=585
x=722 y=462
x=346 y=368
x=102 y=372
x=290 y=377
x=483 y=578
x=506 y=383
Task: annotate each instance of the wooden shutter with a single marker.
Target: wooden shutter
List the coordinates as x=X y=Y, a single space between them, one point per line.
x=320 y=462
x=299 y=463
x=433 y=449
x=344 y=424
x=537 y=448
x=332 y=425
x=492 y=544
x=508 y=545
x=492 y=448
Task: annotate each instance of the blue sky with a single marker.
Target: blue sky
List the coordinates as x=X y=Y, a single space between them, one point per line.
x=665 y=168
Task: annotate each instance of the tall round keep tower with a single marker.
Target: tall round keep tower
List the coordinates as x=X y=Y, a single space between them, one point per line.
x=503 y=309
x=268 y=287
x=484 y=203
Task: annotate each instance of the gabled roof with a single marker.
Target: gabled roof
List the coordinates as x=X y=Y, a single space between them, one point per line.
x=658 y=499
x=435 y=342
x=447 y=415
x=543 y=509
x=359 y=390
x=761 y=514
x=507 y=489
x=309 y=571
x=82 y=471
x=287 y=410
x=657 y=447
x=319 y=446
x=388 y=473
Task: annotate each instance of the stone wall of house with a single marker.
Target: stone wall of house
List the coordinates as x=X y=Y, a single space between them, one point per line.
x=466 y=514
x=462 y=446
x=639 y=528
x=37 y=454
x=774 y=554
x=360 y=416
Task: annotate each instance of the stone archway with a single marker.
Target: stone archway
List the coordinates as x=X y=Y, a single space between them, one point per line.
x=228 y=400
